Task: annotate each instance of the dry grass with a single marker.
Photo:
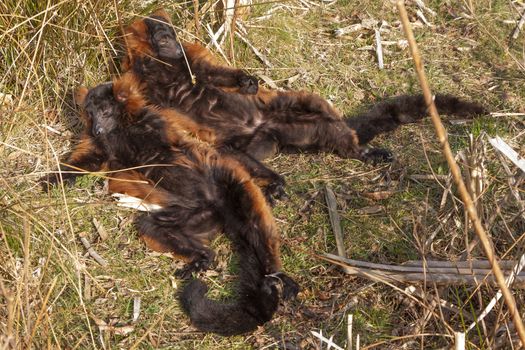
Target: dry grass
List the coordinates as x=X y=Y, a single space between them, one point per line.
x=52 y=294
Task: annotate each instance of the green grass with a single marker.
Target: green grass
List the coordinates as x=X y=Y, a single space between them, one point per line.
x=45 y=55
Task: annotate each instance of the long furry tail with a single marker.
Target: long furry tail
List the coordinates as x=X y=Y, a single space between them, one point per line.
x=249 y=224
x=257 y=301
x=390 y=114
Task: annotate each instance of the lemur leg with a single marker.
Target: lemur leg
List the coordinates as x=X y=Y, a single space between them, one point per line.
x=323 y=135
x=271 y=183
x=182 y=232
x=209 y=71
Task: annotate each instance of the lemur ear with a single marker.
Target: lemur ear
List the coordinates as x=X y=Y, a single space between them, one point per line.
x=163 y=14
x=80 y=95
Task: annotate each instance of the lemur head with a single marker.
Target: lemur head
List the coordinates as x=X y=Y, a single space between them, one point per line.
x=111 y=104
x=152 y=36
x=162 y=37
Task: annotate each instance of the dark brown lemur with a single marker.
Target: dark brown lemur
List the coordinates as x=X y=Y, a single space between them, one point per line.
x=268 y=121
x=201 y=192
x=88 y=156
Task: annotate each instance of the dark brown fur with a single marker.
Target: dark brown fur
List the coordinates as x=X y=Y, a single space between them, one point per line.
x=87 y=155
x=263 y=123
x=201 y=190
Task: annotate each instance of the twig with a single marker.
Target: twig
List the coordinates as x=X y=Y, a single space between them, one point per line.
x=336 y=223
x=92 y=251
x=459 y=340
x=214 y=36
x=515 y=271
x=350 y=320
x=504 y=148
x=87 y=287
x=125 y=201
x=431 y=267
x=475 y=264
x=121 y=27
x=469 y=206
x=100 y=230
x=516 y=32
x=510 y=114
x=423 y=19
x=136 y=309
x=196 y=18
x=394 y=274
x=379 y=49
x=417 y=177
x=328 y=342
x=350 y=29
x=232 y=30
x=422 y=6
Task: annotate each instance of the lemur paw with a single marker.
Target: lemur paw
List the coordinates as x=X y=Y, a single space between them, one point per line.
x=50 y=181
x=275 y=191
x=194 y=266
x=378 y=155
x=248 y=85
x=289 y=288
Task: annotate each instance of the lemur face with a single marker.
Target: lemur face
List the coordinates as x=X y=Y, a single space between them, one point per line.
x=163 y=39
x=102 y=109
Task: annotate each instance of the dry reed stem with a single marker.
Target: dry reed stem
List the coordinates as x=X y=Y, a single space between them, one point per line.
x=196 y=18
x=467 y=200
x=335 y=222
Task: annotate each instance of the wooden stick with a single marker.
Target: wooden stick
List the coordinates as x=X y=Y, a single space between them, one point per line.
x=391 y=276
x=456 y=173
x=459 y=339
x=336 y=223
x=379 y=49
x=196 y=18
x=92 y=251
x=498 y=143
x=444 y=268
x=475 y=264
x=519 y=26
x=349 y=324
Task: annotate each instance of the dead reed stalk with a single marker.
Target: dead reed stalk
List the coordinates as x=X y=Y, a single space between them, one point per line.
x=456 y=173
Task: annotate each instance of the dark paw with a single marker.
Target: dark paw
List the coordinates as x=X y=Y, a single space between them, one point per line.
x=275 y=191
x=193 y=267
x=270 y=286
x=50 y=181
x=289 y=288
x=248 y=85
x=378 y=155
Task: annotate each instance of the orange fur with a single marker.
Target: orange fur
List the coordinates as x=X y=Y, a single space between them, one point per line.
x=157 y=246
x=127 y=90
x=199 y=53
x=178 y=122
x=135 y=184
x=136 y=43
x=83 y=148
